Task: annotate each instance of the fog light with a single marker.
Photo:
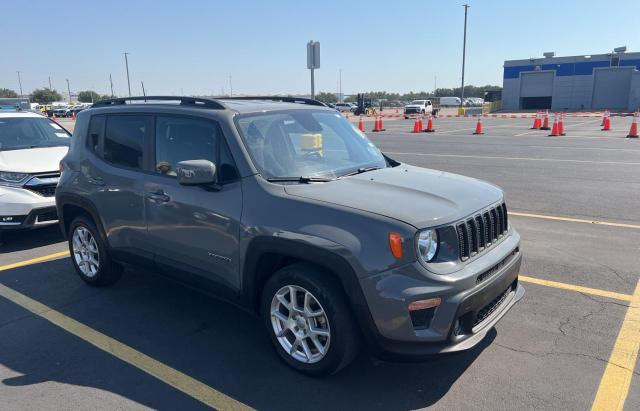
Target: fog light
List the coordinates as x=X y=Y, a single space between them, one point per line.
x=7 y=219
x=422 y=312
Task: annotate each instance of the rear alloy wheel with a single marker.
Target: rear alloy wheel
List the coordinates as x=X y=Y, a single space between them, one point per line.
x=89 y=254
x=309 y=320
x=300 y=324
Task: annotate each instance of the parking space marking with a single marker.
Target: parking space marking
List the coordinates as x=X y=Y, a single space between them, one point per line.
x=576 y=288
x=561 y=160
x=614 y=386
x=155 y=368
x=34 y=260
x=573 y=220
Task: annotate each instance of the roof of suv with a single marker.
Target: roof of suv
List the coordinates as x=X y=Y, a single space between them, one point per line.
x=14 y=114
x=240 y=105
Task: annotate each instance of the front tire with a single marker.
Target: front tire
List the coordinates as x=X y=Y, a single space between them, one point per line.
x=89 y=254
x=309 y=321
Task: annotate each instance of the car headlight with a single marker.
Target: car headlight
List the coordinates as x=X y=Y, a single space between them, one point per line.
x=11 y=178
x=427 y=244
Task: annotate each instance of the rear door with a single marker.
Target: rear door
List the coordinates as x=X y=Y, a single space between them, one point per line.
x=114 y=175
x=194 y=228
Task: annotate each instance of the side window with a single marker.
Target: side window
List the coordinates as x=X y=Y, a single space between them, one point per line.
x=96 y=128
x=124 y=139
x=179 y=139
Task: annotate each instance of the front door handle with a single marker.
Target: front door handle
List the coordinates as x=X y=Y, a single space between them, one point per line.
x=158 y=196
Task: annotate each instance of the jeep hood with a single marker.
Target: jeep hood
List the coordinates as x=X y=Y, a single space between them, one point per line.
x=417 y=196
x=32 y=160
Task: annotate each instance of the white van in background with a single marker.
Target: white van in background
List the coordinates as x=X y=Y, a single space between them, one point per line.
x=450 y=101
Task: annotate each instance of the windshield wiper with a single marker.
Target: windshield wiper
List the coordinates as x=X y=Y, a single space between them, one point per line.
x=301 y=179
x=360 y=171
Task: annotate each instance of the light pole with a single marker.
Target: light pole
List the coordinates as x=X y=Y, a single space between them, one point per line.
x=126 y=63
x=230 y=87
x=340 y=88
x=20 y=83
x=50 y=83
x=464 y=52
x=69 y=90
x=111 y=83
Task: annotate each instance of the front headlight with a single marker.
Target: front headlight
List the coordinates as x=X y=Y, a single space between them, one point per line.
x=11 y=178
x=427 y=244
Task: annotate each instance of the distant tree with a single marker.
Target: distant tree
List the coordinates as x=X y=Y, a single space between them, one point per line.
x=88 y=96
x=326 y=97
x=107 y=97
x=45 y=96
x=8 y=93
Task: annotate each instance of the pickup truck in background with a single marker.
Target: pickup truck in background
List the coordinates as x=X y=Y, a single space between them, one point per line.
x=419 y=108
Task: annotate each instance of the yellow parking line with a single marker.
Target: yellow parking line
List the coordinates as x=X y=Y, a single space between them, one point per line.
x=574 y=220
x=614 y=386
x=576 y=288
x=151 y=366
x=34 y=260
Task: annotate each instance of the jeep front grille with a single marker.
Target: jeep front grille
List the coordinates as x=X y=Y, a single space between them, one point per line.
x=481 y=231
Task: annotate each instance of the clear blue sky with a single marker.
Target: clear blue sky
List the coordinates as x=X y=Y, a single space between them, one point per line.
x=195 y=46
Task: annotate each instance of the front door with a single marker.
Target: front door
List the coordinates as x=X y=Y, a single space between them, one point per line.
x=194 y=228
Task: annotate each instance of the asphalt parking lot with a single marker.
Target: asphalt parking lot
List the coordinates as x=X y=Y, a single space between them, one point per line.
x=571 y=343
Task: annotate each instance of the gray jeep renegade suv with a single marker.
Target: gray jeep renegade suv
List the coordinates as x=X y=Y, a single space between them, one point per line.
x=282 y=206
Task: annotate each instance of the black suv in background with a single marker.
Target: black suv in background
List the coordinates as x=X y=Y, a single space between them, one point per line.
x=281 y=205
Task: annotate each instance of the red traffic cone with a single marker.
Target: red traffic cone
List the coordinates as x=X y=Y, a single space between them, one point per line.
x=381 y=125
x=536 y=123
x=545 y=123
x=561 y=126
x=606 y=126
x=361 y=125
x=376 y=124
x=73 y=116
x=478 y=127
x=633 y=131
x=429 y=128
x=417 y=127
x=555 y=132
x=604 y=115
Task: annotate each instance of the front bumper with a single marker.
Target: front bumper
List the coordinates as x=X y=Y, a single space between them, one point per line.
x=469 y=310
x=22 y=209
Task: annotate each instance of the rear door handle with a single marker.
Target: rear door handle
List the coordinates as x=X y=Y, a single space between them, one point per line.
x=158 y=196
x=96 y=181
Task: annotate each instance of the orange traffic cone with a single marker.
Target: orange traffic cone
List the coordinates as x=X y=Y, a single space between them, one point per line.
x=604 y=115
x=429 y=128
x=536 y=123
x=561 y=126
x=606 y=126
x=555 y=132
x=376 y=124
x=381 y=125
x=478 y=127
x=417 y=127
x=545 y=123
x=73 y=116
x=361 y=125
x=633 y=131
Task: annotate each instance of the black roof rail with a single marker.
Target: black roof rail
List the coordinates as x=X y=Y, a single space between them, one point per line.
x=284 y=99
x=184 y=101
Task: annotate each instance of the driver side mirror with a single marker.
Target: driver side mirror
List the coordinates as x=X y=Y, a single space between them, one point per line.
x=196 y=172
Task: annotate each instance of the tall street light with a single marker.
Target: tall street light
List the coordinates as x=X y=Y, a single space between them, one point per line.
x=126 y=63
x=69 y=90
x=464 y=52
x=20 y=83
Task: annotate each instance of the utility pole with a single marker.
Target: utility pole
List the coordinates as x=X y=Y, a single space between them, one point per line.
x=230 y=87
x=20 y=83
x=126 y=63
x=435 y=85
x=464 y=52
x=50 y=83
x=111 y=83
x=69 y=90
x=144 y=93
x=340 y=79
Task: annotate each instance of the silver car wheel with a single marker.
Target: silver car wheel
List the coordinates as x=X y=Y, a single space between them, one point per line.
x=300 y=324
x=85 y=251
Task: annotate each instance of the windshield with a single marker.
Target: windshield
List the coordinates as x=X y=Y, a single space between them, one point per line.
x=31 y=132
x=307 y=143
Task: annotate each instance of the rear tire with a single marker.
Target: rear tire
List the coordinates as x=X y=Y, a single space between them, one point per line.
x=319 y=344
x=89 y=254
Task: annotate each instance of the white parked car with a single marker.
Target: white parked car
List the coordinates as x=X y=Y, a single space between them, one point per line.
x=418 y=108
x=31 y=147
x=345 y=107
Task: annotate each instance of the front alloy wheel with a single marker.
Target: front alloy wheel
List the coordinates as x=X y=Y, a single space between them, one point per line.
x=300 y=324
x=85 y=252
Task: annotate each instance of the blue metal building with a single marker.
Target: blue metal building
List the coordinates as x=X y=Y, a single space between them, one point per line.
x=596 y=82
